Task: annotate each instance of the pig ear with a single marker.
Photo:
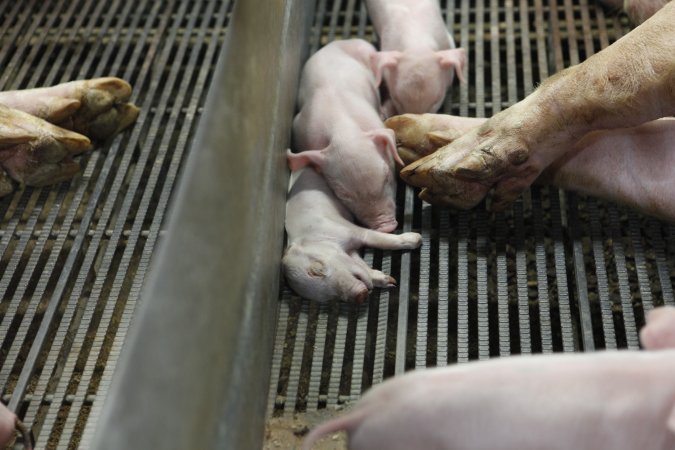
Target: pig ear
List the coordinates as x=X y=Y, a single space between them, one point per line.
x=312 y=158
x=385 y=140
x=453 y=59
x=380 y=61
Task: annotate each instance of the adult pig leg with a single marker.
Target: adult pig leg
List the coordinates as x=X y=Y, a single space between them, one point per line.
x=630 y=82
x=97 y=108
x=35 y=152
x=630 y=166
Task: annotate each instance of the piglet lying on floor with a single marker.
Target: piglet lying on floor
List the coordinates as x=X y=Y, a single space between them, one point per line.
x=419 y=57
x=613 y=400
x=9 y=423
x=339 y=131
x=322 y=261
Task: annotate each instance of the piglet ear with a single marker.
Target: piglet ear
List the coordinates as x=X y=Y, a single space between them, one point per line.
x=453 y=59
x=380 y=61
x=312 y=158
x=385 y=140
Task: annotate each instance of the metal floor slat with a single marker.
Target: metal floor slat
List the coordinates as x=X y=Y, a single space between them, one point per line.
x=555 y=272
x=75 y=255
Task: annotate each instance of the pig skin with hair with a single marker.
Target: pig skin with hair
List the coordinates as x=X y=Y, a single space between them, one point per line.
x=608 y=400
x=630 y=166
x=625 y=85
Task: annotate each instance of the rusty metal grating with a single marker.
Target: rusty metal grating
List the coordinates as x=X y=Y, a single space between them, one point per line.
x=74 y=256
x=555 y=272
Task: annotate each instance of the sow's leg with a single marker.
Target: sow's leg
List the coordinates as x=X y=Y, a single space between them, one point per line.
x=35 y=152
x=631 y=166
x=97 y=108
x=628 y=83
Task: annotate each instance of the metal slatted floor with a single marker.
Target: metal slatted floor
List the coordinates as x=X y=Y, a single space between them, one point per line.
x=556 y=272
x=74 y=256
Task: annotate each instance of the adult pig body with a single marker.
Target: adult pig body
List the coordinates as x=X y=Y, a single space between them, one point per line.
x=340 y=133
x=619 y=400
x=419 y=56
x=321 y=261
x=630 y=82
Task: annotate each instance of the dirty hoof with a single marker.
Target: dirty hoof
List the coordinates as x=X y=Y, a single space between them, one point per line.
x=34 y=152
x=97 y=108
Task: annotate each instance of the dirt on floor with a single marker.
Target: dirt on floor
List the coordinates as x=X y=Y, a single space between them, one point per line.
x=287 y=433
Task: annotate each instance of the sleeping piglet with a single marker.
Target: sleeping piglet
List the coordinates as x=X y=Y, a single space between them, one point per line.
x=321 y=261
x=339 y=131
x=613 y=400
x=418 y=55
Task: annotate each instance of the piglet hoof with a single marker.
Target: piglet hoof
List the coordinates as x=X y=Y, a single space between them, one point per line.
x=382 y=280
x=410 y=241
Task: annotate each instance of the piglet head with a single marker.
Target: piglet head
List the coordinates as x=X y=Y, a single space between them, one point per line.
x=323 y=272
x=418 y=81
x=358 y=167
x=659 y=332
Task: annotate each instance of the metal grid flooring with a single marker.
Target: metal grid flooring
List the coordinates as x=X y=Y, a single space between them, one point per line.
x=555 y=272
x=74 y=256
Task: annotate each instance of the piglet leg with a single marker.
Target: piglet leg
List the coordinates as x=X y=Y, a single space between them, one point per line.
x=386 y=241
x=97 y=108
x=379 y=279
